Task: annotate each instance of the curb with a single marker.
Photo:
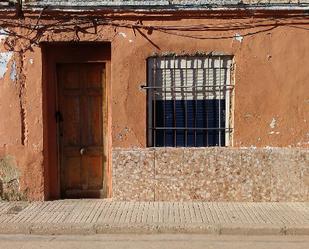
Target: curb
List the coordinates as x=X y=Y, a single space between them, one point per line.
x=292 y=230
x=91 y=229
x=253 y=230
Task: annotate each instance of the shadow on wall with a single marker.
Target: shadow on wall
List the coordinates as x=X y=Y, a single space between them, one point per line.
x=9 y=180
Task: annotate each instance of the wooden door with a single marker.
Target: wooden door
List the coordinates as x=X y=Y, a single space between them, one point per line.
x=80 y=129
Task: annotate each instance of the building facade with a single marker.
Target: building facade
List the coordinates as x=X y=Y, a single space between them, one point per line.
x=154 y=100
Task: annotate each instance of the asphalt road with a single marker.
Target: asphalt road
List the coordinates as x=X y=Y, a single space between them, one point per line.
x=174 y=241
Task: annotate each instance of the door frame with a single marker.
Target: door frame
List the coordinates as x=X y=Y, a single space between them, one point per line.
x=61 y=53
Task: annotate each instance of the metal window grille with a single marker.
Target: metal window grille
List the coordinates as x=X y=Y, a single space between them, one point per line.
x=189 y=99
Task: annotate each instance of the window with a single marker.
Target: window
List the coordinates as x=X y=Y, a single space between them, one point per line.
x=189 y=101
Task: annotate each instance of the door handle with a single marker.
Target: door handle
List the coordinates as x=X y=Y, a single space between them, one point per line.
x=82 y=151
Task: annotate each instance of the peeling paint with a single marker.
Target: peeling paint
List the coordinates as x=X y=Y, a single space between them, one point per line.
x=273 y=123
x=9 y=180
x=3 y=34
x=13 y=73
x=123 y=133
x=238 y=37
x=5 y=57
x=274 y=133
x=124 y=35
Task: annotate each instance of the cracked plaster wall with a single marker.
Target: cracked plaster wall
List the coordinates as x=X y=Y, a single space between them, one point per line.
x=21 y=135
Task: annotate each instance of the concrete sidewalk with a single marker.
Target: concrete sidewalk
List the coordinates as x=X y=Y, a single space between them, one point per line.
x=106 y=216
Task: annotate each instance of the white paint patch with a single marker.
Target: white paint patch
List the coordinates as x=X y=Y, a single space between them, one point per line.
x=130 y=41
x=124 y=35
x=3 y=34
x=273 y=123
x=274 y=133
x=31 y=61
x=5 y=57
x=238 y=37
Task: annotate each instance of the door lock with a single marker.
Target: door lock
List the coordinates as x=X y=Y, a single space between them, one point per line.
x=82 y=151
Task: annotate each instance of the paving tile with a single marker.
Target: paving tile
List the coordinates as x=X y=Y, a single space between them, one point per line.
x=108 y=216
x=104 y=215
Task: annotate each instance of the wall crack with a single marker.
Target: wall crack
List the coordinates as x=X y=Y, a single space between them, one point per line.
x=21 y=80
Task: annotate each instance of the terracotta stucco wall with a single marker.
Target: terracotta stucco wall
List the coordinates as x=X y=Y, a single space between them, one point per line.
x=271 y=83
x=21 y=129
x=271 y=105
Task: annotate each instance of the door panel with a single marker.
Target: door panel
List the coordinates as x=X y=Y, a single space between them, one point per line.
x=69 y=78
x=92 y=77
x=94 y=172
x=95 y=131
x=73 y=172
x=71 y=112
x=80 y=103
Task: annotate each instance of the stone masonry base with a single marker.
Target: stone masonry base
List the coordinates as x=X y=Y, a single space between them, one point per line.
x=211 y=174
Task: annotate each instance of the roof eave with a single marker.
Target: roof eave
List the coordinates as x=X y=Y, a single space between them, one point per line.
x=165 y=7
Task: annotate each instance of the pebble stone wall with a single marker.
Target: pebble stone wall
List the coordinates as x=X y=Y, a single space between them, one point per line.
x=211 y=174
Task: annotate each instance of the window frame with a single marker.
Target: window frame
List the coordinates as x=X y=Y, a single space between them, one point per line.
x=228 y=96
